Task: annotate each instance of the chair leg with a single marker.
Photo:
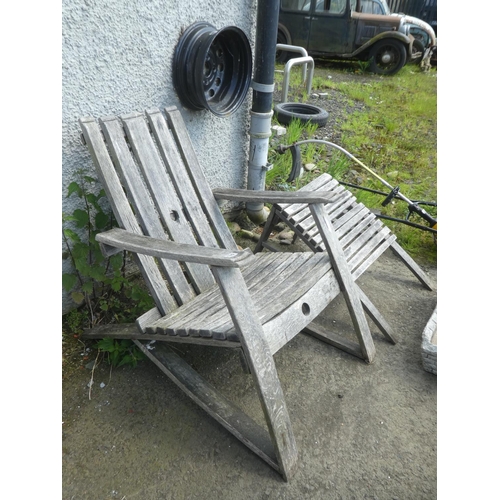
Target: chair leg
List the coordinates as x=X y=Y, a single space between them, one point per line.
x=272 y=220
x=316 y=330
x=411 y=265
x=376 y=317
x=261 y=362
x=244 y=362
x=213 y=402
x=346 y=282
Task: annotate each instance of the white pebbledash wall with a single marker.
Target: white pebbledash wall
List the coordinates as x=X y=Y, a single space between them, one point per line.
x=117 y=58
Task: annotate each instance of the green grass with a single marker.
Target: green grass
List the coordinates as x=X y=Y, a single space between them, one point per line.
x=395 y=136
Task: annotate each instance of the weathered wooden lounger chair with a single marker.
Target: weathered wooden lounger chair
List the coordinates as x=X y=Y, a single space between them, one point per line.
x=363 y=237
x=207 y=292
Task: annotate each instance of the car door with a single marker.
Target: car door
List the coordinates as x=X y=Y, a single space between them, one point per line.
x=295 y=16
x=331 y=29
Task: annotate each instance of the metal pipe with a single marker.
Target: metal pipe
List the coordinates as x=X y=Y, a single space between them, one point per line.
x=262 y=100
x=299 y=50
x=308 y=63
x=260 y=131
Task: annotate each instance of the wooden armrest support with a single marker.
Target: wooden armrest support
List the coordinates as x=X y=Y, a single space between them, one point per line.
x=116 y=240
x=274 y=196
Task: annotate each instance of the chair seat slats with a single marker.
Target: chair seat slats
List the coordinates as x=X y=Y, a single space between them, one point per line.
x=272 y=292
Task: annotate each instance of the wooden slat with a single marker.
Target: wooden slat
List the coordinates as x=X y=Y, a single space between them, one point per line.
x=323 y=182
x=218 y=313
x=411 y=265
x=129 y=331
x=262 y=289
x=354 y=215
x=356 y=225
x=339 y=214
x=282 y=288
x=209 y=304
x=198 y=179
x=303 y=218
x=180 y=178
x=366 y=240
x=214 y=403
x=297 y=217
x=374 y=250
x=138 y=195
x=273 y=196
x=160 y=186
x=261 y=363
x=272 y=292
x=165 y=249
x=123 y=212
x=147 y=318
x=346 y=282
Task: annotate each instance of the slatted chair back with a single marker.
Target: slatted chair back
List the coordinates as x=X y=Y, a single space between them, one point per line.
x=141 y=161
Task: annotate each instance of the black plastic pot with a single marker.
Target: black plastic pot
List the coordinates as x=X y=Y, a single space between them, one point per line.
x=212 y=69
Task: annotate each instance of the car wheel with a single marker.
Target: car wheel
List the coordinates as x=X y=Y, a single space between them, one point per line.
x=281 y=55
x=212 y=69
x=285 y=112
x=387 y=57
x=418 y=48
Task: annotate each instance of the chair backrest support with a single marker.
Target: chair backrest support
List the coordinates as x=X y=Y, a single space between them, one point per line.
x=156 y=187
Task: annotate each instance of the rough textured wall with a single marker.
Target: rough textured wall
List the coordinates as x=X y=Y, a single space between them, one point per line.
x=117 y=57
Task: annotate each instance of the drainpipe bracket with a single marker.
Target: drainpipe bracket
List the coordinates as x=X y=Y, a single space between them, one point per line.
x=262 y=87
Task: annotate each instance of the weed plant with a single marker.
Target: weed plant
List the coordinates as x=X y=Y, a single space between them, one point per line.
x=100 y=286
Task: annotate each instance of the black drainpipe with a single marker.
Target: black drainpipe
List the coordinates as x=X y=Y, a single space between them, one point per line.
x=262 y=100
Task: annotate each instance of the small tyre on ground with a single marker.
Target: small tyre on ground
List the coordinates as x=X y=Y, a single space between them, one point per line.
x=285 y=112
x=387 y=57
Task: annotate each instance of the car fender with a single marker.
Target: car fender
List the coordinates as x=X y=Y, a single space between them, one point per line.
x=423 y=25
x=396 y=35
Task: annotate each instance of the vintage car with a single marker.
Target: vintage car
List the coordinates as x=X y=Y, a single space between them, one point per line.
x=423 y=33
x=341 y=29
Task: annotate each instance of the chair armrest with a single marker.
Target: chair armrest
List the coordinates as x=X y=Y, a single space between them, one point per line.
x=274 y=196
x=116 y=240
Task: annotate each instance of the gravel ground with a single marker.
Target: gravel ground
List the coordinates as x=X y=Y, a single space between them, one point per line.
x=336 y=103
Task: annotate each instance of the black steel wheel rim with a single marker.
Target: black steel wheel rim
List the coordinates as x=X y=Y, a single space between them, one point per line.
x=212 y=69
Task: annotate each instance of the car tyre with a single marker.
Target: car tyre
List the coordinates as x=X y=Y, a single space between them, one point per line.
x=282 y=56
x=387 y=57
x=285 y=112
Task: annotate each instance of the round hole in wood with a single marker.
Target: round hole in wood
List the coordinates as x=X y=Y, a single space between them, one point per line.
x=306 y=309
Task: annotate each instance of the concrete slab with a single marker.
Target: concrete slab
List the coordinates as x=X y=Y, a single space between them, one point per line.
x=363 y=431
